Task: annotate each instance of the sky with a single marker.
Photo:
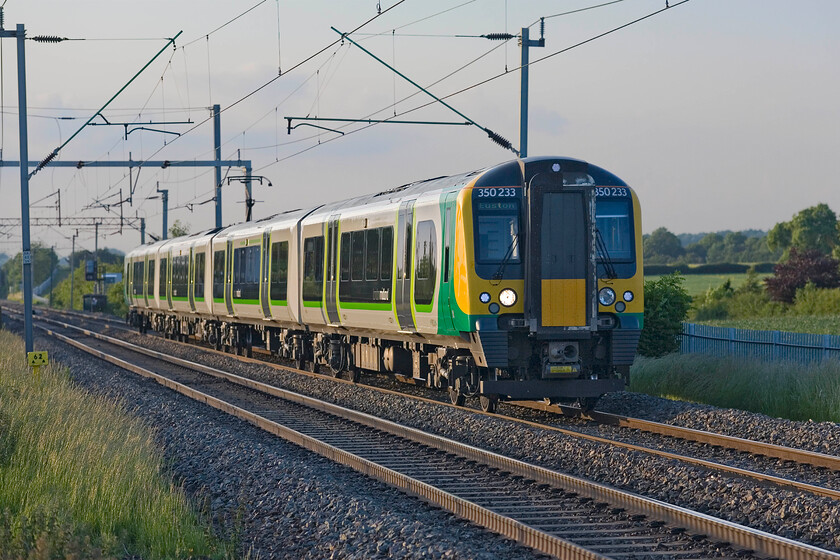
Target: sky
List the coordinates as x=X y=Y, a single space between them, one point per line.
x=721 y=114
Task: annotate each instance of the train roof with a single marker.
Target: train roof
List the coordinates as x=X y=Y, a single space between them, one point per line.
x=503 y=174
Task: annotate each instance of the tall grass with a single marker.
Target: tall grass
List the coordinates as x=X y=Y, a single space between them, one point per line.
x=81 y=478
x=783 y=390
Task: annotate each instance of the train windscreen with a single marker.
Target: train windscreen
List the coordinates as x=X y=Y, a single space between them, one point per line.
x=614 y=223
x=497 y=231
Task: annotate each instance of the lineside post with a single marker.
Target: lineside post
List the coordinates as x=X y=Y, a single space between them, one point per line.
x=217 y=143
x=26 y=252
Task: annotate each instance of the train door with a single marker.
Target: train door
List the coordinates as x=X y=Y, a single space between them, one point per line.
x=559 y=269
x=402 y=289
x=331 y=273
x=447 y=298
x=169 y=280
x=265 y=277
x=229 y=277
x=191 y=280
x=146 y=280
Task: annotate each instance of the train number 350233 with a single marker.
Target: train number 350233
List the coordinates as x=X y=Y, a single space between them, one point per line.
x=611 y=191
x=497 y=192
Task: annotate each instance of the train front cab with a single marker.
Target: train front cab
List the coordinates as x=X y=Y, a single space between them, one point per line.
x=532 y=294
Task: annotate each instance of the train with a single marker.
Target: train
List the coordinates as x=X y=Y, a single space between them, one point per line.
x=520 y=281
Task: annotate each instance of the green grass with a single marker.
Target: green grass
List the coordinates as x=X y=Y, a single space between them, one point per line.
x=811 y=324
x=782 y=390
x=81 y=478
x=696 y=284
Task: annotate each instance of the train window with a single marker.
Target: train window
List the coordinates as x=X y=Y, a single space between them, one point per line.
x=218 y=274
x=372 y=254
x=279 y=270
x=198 y=275
x=387 y=262
x=254 y=265
x=360 y=254
x=425 y=265
x=345 y=257
x=162 y=278
x=615 y=227
x=497 y=231
x=180 y=276
x=150 y=283
x=246 y=272
x=357 y=261
x=313 y=268
x=137 y=279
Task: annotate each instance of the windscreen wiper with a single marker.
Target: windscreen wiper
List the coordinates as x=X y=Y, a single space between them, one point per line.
x=609 y=269
x=500 y=272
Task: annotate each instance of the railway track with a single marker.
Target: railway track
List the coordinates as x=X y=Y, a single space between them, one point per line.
x=549 y=511
x=809 y=476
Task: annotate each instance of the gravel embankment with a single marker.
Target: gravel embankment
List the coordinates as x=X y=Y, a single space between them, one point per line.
x=792 y=514
x=278 y=500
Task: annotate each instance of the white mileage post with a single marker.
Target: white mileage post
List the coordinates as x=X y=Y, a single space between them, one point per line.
x=36 y=360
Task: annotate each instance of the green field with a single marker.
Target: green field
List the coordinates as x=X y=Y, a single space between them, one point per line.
x=696 y=284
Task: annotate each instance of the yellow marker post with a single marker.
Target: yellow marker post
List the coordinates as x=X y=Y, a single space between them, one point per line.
x=36 y=360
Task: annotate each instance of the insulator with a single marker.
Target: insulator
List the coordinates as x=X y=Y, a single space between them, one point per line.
x=498 y=36
x=48 y=39
x=46 y=161
x=542 y=27
x=499 y=139
x=2 y=18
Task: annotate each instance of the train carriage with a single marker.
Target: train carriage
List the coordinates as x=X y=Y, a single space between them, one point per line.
x=520 y=281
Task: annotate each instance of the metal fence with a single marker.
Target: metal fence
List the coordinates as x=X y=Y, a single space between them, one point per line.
x=764 y=345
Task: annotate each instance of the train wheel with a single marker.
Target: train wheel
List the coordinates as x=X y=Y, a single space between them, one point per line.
x=300 y=363
x=249 y=352
x=314 y=367
x=354 y=374
x=587 y=404
x=456 y=396
x=488 y=403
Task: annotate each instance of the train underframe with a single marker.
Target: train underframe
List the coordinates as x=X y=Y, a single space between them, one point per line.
x=505 y=365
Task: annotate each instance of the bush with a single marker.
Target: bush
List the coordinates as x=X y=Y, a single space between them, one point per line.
x=801 y=268
x=666 y=307
x=811 y=300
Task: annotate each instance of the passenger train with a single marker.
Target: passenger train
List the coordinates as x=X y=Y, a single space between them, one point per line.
x=521 y=281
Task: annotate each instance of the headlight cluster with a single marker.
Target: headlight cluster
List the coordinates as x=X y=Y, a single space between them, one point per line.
x=607 y=297
x=507 y=298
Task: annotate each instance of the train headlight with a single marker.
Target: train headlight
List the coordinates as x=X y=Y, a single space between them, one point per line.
x=484 y=297
x=606 y=296
x=620 y=306
x=628 y=296
x=507 y=297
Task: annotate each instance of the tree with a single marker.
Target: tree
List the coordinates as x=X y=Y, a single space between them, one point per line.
x=662 y=246
x=666 y=307
x=802 y=268
x=812 y=229
x=179 y=229
x=44 y=260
